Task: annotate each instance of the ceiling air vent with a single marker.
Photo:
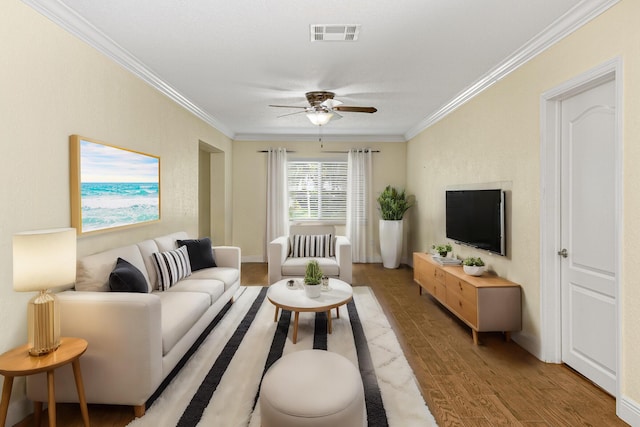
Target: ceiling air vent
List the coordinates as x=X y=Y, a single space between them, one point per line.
x=334 y=32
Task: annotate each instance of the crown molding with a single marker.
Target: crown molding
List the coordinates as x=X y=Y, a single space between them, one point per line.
x=315 y=138
x=576 y=17
x=66 y=18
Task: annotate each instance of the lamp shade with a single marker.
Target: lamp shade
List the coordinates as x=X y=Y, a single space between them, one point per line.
x=44 y=259
x=319 y=118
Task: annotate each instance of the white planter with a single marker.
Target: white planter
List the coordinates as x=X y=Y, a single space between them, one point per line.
x=390 y=243
x=473 y=270
x=312 y=291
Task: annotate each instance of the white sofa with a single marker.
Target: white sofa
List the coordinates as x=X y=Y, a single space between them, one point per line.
x=282 y=265
x=136 y=339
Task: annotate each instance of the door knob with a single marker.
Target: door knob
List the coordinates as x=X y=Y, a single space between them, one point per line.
x=563 y=253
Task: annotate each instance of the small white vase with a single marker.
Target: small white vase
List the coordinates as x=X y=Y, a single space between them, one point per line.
x=390 y=243
x=473 y=270
x=312 y=291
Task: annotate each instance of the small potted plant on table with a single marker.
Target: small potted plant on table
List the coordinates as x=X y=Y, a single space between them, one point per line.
x=312 y=279
x=473 y=266
x=442 y=250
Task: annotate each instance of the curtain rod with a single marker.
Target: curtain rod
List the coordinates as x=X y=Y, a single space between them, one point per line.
x=333 y=152
x=346 y=152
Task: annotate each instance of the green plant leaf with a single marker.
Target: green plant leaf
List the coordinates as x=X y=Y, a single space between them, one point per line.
x=393 y=204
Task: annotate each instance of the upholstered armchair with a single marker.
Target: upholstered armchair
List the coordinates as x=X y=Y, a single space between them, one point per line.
x=288 y=255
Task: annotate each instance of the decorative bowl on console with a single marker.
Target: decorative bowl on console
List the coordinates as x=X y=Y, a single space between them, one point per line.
x=473 y=270
x=473 y=266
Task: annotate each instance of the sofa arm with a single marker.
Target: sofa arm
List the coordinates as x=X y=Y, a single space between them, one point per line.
x=343 y=257
x=123 y=362
x=227 y=256
x=276 y=255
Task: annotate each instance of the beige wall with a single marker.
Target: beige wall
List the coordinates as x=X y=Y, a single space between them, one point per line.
x=250 y=174
x=52 y=86
x=496 y=137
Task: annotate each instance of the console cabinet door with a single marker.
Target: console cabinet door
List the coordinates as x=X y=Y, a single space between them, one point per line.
x=462 y=298
x=423 y=272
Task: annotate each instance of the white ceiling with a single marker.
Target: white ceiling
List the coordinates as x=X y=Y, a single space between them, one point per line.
x=414 y=61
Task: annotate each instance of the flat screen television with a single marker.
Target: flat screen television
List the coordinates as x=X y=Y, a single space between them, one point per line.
x=476 y=218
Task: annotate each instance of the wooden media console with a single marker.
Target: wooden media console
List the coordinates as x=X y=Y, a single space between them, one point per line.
x=485 y=303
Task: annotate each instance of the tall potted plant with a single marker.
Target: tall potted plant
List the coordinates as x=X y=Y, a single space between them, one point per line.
x=393 y=204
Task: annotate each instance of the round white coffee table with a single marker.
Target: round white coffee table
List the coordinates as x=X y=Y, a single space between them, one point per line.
x=296 y=300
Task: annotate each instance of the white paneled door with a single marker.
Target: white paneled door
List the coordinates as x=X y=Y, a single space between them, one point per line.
x=589 y=234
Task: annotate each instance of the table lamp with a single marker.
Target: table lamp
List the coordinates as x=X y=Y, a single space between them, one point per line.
x=43 y=260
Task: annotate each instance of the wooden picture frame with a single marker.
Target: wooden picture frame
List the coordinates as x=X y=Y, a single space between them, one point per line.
x=111 y=187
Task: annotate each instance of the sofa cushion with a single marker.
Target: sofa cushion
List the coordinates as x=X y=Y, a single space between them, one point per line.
x=312 y=245
x=298 y=266
x=200 y=253
x=227 y=275
x=125 y=277
x=214 y=288
x=147 y=249
x=168 y=242
x=171 y=266
x=92 y=273
x=179 y=312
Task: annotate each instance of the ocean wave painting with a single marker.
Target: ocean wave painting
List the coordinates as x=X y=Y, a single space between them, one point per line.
x=117 y=187
x=114 y=204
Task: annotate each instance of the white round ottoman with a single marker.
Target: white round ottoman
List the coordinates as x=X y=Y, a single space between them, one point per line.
x=312 y=388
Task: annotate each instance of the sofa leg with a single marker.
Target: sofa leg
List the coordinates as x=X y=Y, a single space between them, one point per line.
x=138 y=410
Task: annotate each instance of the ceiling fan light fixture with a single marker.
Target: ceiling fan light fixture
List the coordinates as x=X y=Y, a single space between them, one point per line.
x=319 y=118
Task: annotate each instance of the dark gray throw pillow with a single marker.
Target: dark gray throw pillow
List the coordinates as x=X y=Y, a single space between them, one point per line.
x=126 y=277
x=200 y=253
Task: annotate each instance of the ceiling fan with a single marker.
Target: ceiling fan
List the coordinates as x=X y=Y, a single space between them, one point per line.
x=322 y=108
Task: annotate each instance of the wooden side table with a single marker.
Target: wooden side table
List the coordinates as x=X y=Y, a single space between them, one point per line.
x=18 y=362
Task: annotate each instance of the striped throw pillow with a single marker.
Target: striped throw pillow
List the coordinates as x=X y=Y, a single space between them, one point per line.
x=312 y=245
x=171 y=266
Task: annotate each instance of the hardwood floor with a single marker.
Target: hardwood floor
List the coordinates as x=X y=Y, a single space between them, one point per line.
x=494 y=383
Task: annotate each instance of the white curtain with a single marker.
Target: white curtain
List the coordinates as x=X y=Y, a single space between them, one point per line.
x=277 y=194
x=360 y=205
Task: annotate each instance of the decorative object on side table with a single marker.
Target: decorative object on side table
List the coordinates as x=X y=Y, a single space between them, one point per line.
x=325 y=283
x=442 y=250
x=393 y=204
x=313 y=279
x=473 y=266
x=44 y=260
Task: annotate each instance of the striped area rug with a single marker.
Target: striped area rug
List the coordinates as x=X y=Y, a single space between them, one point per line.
x=219 y=383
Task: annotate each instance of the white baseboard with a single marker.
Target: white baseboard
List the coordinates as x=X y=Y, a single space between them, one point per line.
x=18 y=410
x=529 y=343
x=628 y=410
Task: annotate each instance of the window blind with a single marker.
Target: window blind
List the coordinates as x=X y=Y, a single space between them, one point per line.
x=317 y=190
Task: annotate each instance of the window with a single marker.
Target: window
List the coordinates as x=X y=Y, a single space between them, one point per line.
x=317 y=190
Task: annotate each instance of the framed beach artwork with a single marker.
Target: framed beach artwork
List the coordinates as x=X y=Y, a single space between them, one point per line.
x=112 y=187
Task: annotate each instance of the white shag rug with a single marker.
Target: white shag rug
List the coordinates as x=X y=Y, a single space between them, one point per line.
x=219 y=384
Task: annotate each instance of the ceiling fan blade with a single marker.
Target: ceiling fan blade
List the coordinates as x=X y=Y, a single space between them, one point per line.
x=355 y=109
x=287 y=106
x=331 y=103
x=290 y=114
